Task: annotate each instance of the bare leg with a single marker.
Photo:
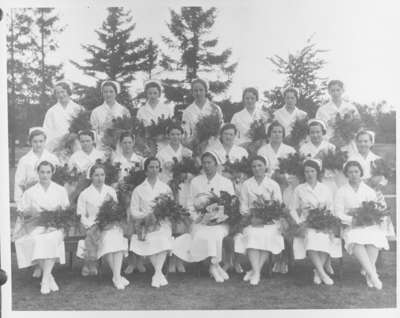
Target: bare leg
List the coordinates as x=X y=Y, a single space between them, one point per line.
x=318 y=261
x=254 y=257
x=373 y=253
x=48 y=265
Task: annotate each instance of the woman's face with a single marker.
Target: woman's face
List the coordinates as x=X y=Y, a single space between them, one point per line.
x=259 y=168
x=277 y=134
x=290 y=99
x=228 y=137
x=249 y=100
x=86 y=143
x=316 y=134
x=354 y=174
x=98 y=177
x=336 y=92
x=153 y=169
x=109 y=94
x=310 y=174
x=45 y=173
x=152 y=94
x=61 y=94
x=209 y=165
x=199 y=92
x=38 y=143
x=175 y=136
x=127 y=144
x=364 y=143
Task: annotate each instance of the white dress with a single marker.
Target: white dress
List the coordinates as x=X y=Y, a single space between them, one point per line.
x=267 y=237
x=26 y=170
x=308 y=149
x=192 y=114
x=235 y=153
x=272 y=157
x=346 y=199
x=141 y=205
x=127 y=164
x=205 y=240
x=166 y=156
x=147 y=114
x=83 y=161
x=57 y=122
x=327 y=113
x=243 y=120
x=306 y=196
x=287 y=119
x=89 y=203
x=41 y=243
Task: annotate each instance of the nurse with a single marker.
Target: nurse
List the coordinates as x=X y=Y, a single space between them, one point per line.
x=102 y=116
x=41 y=246
x=108 y=243
x=316 y=144
x=158 y=243
x=362 y=242
x=205 y=241
x=154 y=108
x=26 y=174
x=58 y=117
x=259 y=242
x=201 y=106
x=319 y=246
x=289 y=113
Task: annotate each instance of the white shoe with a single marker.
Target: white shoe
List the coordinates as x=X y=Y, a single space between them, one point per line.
x=85 y=271
x=376 y=282
x=248 y=276
x=45 y=288
x=215 y=274
x=363 y=272
x=118 y=284
x=163 y=280
x=317 y=280
x=155 y=282
x=37 y=272
x=327 y=280
x=329 y=269
x=124 y=281
x=238 y=268
x=129 y=269
x=222 y=273
x=52 y=284
x=255 y=279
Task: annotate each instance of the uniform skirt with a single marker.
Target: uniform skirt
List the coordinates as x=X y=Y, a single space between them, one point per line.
x=368 y=235
x=40 y=243
x=204 y=241
x=317 y=241
x=264 y=238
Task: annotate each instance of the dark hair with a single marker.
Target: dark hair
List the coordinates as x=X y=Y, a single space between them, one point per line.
x=95 y=167
x=335 y=82
x=149 y=160
x=314 y=165
x=272 y=126
x=209 y=155
x=86 y=133
x=36 y=132
x=202 y=82
x=259 y=158
x=175 y=126
x=315 y=123
x=45 y=163
x=352 y=163
x=64 y=86
x=110 y=84
x=152 y=85
x=291 y=90
x=227 y=127
x=364 y=132
x=125 y=134
x=251 y=90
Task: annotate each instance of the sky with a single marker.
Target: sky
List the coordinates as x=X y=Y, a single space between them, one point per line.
x=361 y=37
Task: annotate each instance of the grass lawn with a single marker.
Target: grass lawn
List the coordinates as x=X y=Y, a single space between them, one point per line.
x=194 y=291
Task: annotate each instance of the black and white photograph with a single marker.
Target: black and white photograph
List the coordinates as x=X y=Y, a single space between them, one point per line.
x=187 y=155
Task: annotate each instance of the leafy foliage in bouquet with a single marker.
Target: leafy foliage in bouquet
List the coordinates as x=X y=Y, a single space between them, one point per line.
x=238 y=168
x=257 y=130
x=208 y=126
x=322 y=220
x=299 y=132
x=292 y=164
x=267 y=211
x=346 y=128
x=333 y=160
x=111 y=170
x=379 y=167
x=146 y=225
x=59 y=219
x=180 y=170
x=160 y=127
x=135 y=177
x=63 y=175
x=370 y=213
x=110 y=213
x=80 y=122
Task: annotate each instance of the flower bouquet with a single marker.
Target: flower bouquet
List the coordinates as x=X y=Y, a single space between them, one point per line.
x=111 y=170
x=345 y=128
x=292 y=165
x=370 y=213
x=63 y=175
x=135 y=177
x=322 y=220
x=380 y=174
x=181 y=170
x=299 y=132
x=257 y=131
x=333 y=160
x=81 y=121
x=266 y=212
x=110 y=213
x=238 y=168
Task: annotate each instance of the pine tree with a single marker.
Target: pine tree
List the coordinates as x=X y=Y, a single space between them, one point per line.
x=196 y=53
x=117 y=57
x=301 y=71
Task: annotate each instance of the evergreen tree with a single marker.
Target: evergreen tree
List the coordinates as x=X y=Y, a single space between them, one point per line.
x=301 y=71
x=117 y=57
x=196 y=53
